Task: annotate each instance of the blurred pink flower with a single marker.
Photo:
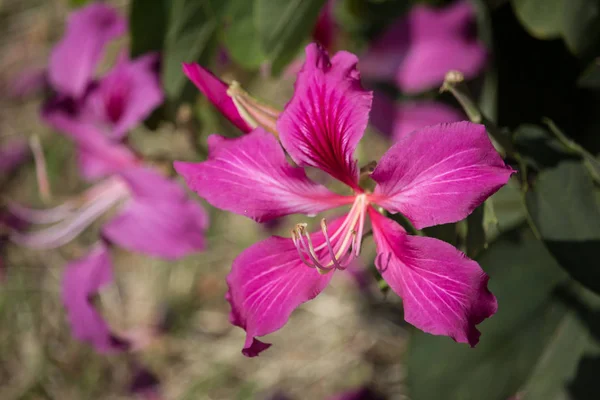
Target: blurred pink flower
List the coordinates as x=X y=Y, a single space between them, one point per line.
x=397 y=120
x=418 y=50
x=82 y=280
x=434 y=176
x=74 y=59
x=155 y=216
x=98 y=113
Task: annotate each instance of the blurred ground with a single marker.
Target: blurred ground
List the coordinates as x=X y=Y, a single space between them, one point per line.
x=341 y=340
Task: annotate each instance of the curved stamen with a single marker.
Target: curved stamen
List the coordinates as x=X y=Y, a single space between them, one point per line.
x=300 y=252
x=46 y=216
x=343 y=245
x=311 y=251
x=329 y=246
x=62 y=233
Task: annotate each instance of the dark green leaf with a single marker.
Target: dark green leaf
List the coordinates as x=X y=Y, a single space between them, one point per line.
x=576 y=21
x=523 y=276
x=241 y=36
x=581 y=25
x=564 y=209
x=147 y=25
x=504 y=211
x=559 y=370
x=591 y=76
x=476 y=239
x=190 y=33
x=541 y=18
x=283 y=26
x=562 y=204
x=538 y=147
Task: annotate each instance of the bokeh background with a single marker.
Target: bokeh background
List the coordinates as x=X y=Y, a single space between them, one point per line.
x=538 y=237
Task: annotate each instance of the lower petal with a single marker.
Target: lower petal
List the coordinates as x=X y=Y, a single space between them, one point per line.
x=159 y=219
x=81 y=281
x=443 y=291
x=267 y=282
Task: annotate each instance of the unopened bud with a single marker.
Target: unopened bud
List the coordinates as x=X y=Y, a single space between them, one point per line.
x=253 y=111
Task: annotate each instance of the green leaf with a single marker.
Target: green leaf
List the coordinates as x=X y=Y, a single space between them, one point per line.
x=523 y=276
x=565 y=212
x=576 y=21
x=541 y=18
x=241 y=36
x=590 y=78
x=538 y=147
x=283 y=26
x=78 y=3
x=147 y=25
x=476 y=238
x=581 y=25
x=557 y=370
x=191 y=29
x=563 y=204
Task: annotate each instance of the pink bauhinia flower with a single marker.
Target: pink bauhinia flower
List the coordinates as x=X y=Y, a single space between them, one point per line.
x=436 y=175
x=418 y=50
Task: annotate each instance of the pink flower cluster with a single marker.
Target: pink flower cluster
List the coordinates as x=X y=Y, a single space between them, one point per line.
x=154 y=214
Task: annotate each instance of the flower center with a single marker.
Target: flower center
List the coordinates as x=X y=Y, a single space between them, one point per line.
x=341 y=246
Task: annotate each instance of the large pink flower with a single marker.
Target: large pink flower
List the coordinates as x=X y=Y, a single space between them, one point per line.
x=418 y=50
x=434 y=176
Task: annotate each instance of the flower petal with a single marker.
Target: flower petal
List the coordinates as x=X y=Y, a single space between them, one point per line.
x=216 y=92
x=97 y=156
x=443 y=291
x=439 y=174
x=250 y=176
x=418 y=49
x=325 y=28
x=126 y=95
x=399 y=120
x=81 y=282
x=74 y=59
x=386 y=53
x=441 y=40
x=162 y=223
x=326 y=118
x=267 y=282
